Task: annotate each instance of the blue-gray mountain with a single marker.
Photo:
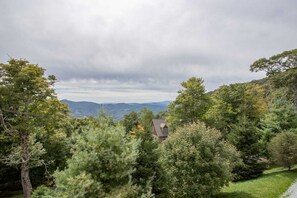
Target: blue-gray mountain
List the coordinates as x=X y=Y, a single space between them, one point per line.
x=116 y=110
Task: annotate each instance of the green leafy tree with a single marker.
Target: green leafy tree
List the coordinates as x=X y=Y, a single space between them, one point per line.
x=54 y=132
x=190 y=105
x=283 y=149
x=130 y=121
x=26 y=107
x=145 y=117
x=233 y=102
x=102 y=163
x=281 y=70
x=36 y=151
x=198 y=162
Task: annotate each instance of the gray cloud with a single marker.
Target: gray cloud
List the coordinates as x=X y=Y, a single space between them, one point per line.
x=113 y=51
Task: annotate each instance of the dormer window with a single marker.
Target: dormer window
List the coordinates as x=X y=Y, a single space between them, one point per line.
x=164 y=129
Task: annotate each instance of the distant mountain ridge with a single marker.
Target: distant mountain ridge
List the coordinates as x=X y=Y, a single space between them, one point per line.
x=116 y=110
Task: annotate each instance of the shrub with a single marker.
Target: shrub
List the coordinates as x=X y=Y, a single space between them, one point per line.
x=198 y=162
x=43 y=191
x=283 y=149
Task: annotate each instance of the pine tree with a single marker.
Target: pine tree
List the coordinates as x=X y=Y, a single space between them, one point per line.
x=282 y=116
x=102 y=163
x=245 y=137
x=149 y=171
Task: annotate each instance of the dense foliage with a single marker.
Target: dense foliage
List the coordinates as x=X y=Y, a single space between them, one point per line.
x=246 y=138
x=282 y=72
x=28 y=107
x=101 y=165
x=149 y=172
x=198 y=161
x=190 y=105
x=283 y=149
x=233 y=102
x=236 y=113
x=130 y=121
x=282 y=116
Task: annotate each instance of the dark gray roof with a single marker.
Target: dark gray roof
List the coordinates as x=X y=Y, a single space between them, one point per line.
x=157 y=124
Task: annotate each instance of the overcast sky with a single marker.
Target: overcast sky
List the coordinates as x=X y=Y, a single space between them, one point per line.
x=141 y=50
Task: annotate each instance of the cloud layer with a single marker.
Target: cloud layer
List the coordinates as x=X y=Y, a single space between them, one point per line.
x=123 y=51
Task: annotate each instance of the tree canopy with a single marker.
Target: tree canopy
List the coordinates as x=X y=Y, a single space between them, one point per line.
x=283 y=149
x=281 y=70
x=190 y=105
x=277 y=63
x=233 y=102
x=198 y=161
x=28 y=104
x=101 y=165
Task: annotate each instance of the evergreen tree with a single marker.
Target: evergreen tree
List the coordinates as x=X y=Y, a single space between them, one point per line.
x=102 y=163
x=149 y=171
x=245 y=137
x=282 y=116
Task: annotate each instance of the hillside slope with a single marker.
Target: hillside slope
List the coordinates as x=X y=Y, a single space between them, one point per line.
x=116 y=110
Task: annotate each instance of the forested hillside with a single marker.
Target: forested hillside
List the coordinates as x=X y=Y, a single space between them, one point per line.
x=116 y=110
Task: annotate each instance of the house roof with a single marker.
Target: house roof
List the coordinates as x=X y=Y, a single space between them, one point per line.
x=162 y=125
x=158 y=124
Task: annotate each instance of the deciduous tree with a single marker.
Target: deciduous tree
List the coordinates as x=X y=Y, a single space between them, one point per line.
x=281 y=70
x=190 y=105
x=26 y=106
x=233 y=102
x=283 y=149
x=198 y=161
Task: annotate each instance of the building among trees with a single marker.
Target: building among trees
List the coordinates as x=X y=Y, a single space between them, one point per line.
x=160 y=129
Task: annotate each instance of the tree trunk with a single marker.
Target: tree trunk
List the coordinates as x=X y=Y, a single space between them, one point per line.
x=26 y=183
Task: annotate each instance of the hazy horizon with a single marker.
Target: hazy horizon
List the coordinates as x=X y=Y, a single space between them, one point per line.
x=116 y=102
